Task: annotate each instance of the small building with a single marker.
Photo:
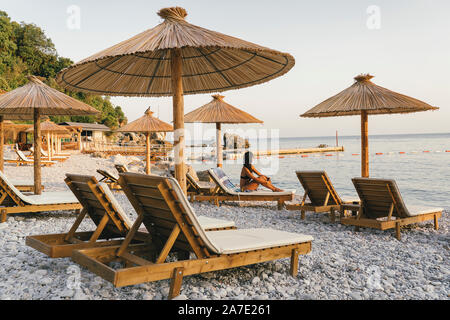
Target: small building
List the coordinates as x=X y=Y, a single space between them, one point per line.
x=89 y=131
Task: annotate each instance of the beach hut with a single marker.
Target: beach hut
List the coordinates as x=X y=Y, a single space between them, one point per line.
x=51 y=129
x=33 y=100
x=176 y=58
x=147 y=124
x=365 y=98
x=218 y=111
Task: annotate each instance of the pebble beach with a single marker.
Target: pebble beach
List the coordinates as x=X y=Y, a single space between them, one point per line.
x=343 y=264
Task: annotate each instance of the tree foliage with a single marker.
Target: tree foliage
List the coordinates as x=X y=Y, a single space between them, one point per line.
x=26 y=50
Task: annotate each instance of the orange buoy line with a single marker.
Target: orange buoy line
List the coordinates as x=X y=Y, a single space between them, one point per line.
x=378 y=153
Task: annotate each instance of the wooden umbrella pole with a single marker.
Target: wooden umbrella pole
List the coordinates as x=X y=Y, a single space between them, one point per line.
x=364 y=145
x=147 y=155
x=2 y=137
x=37 y=151
x=219 y=152
x=49 y=147
x=178 y=116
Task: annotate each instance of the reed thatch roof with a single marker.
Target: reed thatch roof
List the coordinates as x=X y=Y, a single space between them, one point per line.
x=364 y=95
x=146 y=123
x=140 y=66
x=49 y=126
x=21 y=102
x=218 y=111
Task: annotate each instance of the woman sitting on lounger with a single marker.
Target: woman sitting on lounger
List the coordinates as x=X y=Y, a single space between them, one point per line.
x=251 y=178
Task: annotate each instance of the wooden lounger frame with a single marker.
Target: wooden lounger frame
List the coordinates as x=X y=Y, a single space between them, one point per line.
x=321 y=200
x=111 y=228
x=109 y=179
x=11 y=203
x=387 y=203
x=159 y=208
x=220 y=195
x=195 y=189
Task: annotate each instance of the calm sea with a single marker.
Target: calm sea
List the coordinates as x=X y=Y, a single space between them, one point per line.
x=418 y=162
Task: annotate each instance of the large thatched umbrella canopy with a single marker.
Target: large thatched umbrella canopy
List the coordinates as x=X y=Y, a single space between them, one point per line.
x=50 y=129
x=218 y=111
x=147 y=124
x=364 y=98
x=34 y=100
x=173 y=59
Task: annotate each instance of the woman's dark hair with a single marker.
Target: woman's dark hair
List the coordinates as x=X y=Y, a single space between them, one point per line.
x=248 y=156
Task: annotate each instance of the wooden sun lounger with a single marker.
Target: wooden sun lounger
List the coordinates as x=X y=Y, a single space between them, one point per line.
x=56 y=157
x=23 y=160
x=200 y=187
x=165 y=211
x=382 y=207
x=14 y=201
x=100 y=205
x=321 y=195
x=23 y=185
x=227 y=191
x=109 y=179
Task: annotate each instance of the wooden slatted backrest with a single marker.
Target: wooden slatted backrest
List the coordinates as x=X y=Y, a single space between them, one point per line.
x=154 y=198
x=317 y=185
x=377 y=196
x=107 y=175
x=98 y=204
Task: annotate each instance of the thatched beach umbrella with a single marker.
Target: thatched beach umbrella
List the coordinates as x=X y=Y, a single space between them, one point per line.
x=218 y=111
x=49 y=128
x=34 y=100
x=147 y=124
x=364 y=98
x=176 y=58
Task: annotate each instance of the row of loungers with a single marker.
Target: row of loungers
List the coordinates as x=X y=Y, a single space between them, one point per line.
x=170 y=224
x=167 y=223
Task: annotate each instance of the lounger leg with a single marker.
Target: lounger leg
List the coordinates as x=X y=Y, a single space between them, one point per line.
x=332 y=215
x=302 y=215
x=3 y=216
x=280 y=204
x=294 y=263
x=397 y=231
x=175 y=284
x=436 y=223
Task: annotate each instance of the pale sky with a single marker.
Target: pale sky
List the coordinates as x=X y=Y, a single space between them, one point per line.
x=330 y=40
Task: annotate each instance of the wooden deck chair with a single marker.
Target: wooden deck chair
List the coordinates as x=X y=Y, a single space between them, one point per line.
x=382 y=207
x=59 y=158
x=197 y=187
x=23 y=160
x=109 y=179
x=14 y=201
x=100 y=205
x=45 y=154
x=321 y=195
x=227 y=191
x=23 y=185
x=165 y=211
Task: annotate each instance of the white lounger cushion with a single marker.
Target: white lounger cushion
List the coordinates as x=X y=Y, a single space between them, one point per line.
x=52 y=197
x=243 y=240
x=212 y=223
x=415 y=210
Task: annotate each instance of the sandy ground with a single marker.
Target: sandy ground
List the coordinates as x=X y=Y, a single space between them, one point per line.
x=343 y=264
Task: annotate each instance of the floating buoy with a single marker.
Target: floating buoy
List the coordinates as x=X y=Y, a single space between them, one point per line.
x=355 y=154
x=447 y=150
x=379 y=153
x=401 y=152
x=304 y=156
x=328 y=155
x=426 y=151
x=281 y=157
